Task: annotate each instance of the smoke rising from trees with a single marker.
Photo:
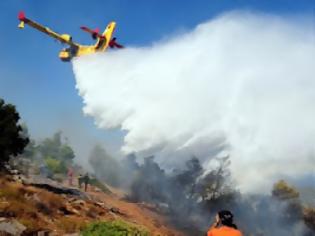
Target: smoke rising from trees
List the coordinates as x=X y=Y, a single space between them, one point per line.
x=190 y=197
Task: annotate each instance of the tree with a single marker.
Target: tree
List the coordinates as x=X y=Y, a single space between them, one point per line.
x=12 y=142
x=105 y=167
x=287 y=194
x=187 y=178
x=56 y=153
x=56 y=148
x=214 y=184
x=66 y=153
x=150 y=183
x=309 y=217
x=283 y=191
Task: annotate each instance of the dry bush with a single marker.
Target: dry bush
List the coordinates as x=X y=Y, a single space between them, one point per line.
x=10 y=193
x=70 y=224
x=53 y=201
x=19 y=204
x=32 y=225
x=15 y=191
x=21 y=209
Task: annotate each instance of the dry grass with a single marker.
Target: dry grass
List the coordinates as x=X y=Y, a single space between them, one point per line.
x=18 y=205
x=32 y=225
x=52 y=201
x=31 y=207
x=21 y=209
x=10 y=193
x=71 y=224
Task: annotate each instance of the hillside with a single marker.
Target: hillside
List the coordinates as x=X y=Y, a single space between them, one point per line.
x=50 y=208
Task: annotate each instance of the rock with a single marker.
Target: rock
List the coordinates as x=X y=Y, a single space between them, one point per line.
x=96 y=189
x=72 y=200
x=65 y=211
x=76 y=212
x=11 y=226
x=79 y=202
x=117 y=211
x=14 y=172
x=103 y=206
x=36 y=198
x=43 y=233
x=99 y=203
x=61 y=190
x=55 y=187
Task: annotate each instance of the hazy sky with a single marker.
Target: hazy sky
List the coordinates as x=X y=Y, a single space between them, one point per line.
x=43 y=88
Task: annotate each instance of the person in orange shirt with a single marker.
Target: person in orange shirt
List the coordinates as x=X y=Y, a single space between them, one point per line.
x=223 y=225
x=70 y=175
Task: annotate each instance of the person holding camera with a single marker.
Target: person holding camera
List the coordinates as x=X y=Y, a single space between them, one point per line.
x=223 y=225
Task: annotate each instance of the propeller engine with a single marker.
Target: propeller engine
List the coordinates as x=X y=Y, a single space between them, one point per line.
x=67 y=37
x=94 y=33
x=114 y=44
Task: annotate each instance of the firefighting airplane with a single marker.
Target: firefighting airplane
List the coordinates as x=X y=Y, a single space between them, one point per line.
x=75 y=50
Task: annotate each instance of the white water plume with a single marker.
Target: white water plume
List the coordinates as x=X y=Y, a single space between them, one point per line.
x=241 y=84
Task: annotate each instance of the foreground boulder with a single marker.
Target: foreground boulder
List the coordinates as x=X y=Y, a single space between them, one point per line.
x=11 y=227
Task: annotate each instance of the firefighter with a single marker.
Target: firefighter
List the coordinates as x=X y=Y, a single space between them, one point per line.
x=223 y=225
x=86 y=180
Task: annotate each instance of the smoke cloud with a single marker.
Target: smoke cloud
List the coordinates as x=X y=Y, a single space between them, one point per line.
x=241 y=84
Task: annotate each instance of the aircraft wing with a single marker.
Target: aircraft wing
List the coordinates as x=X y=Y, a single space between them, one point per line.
x=64 y=38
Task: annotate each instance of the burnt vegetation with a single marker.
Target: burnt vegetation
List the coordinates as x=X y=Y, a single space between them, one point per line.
x=191 y=196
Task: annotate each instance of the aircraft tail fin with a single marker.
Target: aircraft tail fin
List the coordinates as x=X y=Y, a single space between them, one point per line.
x=102 y=43
x=22 y=19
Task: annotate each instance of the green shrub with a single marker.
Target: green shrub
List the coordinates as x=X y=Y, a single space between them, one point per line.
x=113 y=228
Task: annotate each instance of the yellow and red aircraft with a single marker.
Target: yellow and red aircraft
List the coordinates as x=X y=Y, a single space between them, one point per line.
x=104 y=40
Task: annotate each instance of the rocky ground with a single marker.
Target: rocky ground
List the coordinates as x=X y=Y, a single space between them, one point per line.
x=38 y=206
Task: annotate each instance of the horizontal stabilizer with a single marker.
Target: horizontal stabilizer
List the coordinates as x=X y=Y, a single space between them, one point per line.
x=21 y=16
x=94 y=33
x=114 y=44
x=21 y=25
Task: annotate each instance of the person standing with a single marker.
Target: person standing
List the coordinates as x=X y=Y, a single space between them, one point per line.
x=80 y=180
x=223 y=225
x=86 y=180
x=70 y=175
